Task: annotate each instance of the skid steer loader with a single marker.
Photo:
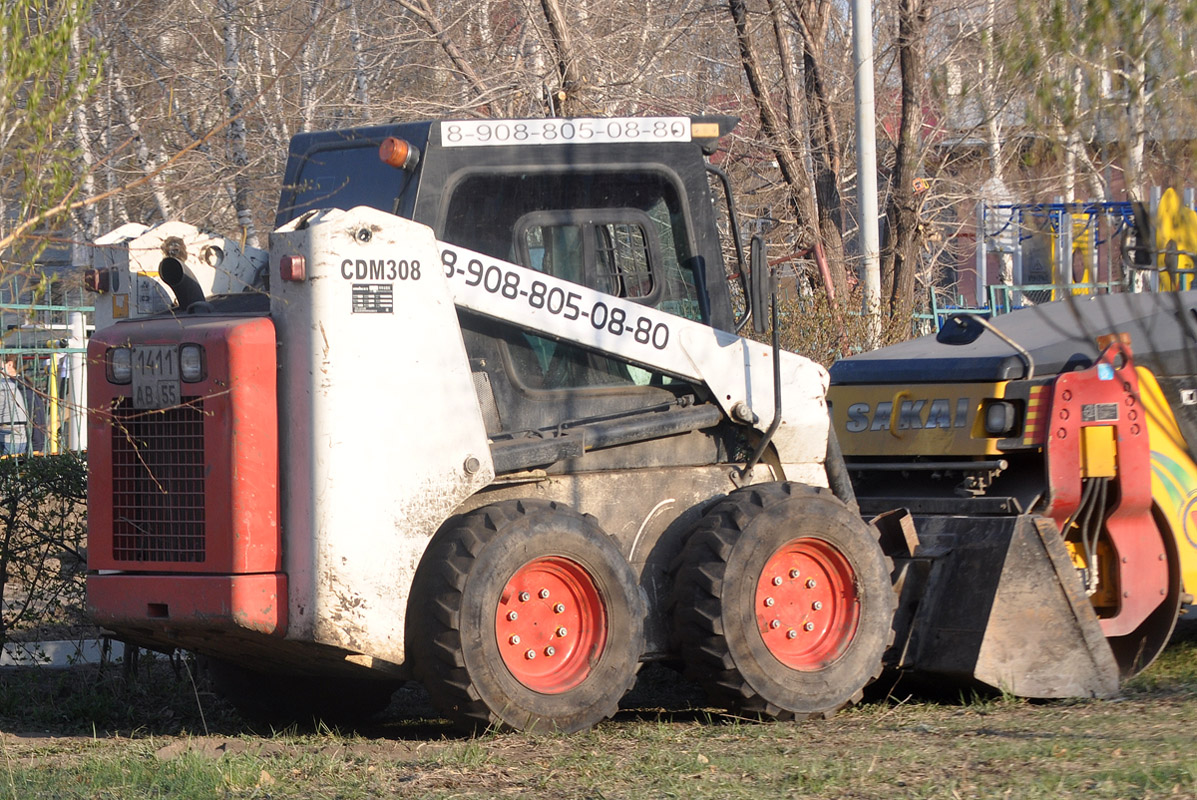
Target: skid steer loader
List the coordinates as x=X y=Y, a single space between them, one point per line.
x=481 y=417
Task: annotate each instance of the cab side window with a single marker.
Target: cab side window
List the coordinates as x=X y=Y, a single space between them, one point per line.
x=611 y=250
x=621 y=234
x=624 y=257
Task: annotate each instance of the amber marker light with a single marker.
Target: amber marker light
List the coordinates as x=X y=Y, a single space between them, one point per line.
x=398 y=153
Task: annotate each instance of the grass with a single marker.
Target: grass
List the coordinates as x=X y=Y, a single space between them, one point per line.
x=1029 y=752
x=143 y=737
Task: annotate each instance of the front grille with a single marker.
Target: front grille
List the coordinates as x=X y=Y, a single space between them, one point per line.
x=158 y=483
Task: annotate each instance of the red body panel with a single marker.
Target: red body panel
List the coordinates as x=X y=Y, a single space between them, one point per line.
x=183 y=502
x=192 y=489
x=211 y=603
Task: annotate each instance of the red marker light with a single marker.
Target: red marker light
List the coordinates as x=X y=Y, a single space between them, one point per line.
x=96 y=280
x=292 y=268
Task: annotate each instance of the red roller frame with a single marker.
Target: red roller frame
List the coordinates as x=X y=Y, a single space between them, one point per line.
x=1112 y=385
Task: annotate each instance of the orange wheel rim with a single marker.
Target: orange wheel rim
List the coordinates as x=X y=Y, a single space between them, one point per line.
x=551 y=624
x=807 y=606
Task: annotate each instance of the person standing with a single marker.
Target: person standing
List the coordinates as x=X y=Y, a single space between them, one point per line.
x=14 y=418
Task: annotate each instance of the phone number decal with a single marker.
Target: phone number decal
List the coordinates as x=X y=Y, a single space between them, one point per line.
x=556 y=301
x=482 y=133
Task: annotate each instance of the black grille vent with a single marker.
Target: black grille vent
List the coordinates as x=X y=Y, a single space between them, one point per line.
x=158 y=483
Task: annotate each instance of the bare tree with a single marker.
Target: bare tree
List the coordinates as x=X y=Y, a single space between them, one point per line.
x=900 y=254
x=788 y=135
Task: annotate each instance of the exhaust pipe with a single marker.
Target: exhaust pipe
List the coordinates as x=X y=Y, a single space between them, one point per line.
x=187 y=290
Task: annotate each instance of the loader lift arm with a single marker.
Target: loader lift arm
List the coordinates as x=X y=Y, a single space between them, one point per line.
x=737 y=372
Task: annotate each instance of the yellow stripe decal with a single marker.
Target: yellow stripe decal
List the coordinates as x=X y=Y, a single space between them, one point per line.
x=1036 y=416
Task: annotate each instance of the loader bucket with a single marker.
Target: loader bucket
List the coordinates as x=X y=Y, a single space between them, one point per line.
x=994 y=601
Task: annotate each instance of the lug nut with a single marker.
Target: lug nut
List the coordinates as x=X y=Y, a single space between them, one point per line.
x=561 y=633
x=559 y=608
x=550 y=651
x=544 y=594
x=810 y=626
x=816 y=605
x=531 y=654
x=525 y=597
x=777 y=581
x=794 y=573
x=775 y=624
x=515 y=639
x=512 y=616
x=810 y=583
x=769 y=602
x=791 y=634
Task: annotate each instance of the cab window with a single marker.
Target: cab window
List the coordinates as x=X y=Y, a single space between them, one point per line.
x=611 y=250
x=624 y=234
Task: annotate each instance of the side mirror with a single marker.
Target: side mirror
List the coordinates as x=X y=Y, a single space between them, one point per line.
x=960 y=329
x=759 y=283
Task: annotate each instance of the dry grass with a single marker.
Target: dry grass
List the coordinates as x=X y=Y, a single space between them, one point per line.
x=665 y=744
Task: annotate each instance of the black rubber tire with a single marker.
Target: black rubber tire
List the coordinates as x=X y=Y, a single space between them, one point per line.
x=282 y=700
x=715 y=595
x=456 y=594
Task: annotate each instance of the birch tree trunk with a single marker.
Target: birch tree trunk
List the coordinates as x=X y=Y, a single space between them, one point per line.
x=361 y=81
x=308 y=74
x=236 y=136
x=85 y=217
x=1136 y=110
x=147 y=164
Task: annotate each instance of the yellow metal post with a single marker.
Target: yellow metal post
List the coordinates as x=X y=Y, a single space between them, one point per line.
x=52 y=421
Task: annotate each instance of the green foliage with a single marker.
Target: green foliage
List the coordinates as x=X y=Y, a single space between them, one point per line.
x=153 y=694
x=44 y=77
x=42 y=538
x=1103 y=71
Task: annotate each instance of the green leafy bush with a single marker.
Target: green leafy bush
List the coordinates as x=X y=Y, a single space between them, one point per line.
x=43 y=527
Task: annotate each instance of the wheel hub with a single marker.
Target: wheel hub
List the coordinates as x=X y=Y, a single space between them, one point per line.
x=807 y=607
x=551 y=624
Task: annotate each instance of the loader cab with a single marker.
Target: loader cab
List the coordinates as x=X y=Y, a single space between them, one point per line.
x=613 y=209
x=631 y=217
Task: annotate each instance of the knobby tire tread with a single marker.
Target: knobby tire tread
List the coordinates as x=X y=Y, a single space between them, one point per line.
x=697 y=603
x=442 y=580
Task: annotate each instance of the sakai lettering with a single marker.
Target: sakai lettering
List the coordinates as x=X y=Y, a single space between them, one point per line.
x=911 y=415
x=380 y=269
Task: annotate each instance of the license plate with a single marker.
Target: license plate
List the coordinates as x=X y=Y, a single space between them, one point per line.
x=155 y=376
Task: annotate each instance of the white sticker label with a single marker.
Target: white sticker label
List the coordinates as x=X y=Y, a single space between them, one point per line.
x=489 y=133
